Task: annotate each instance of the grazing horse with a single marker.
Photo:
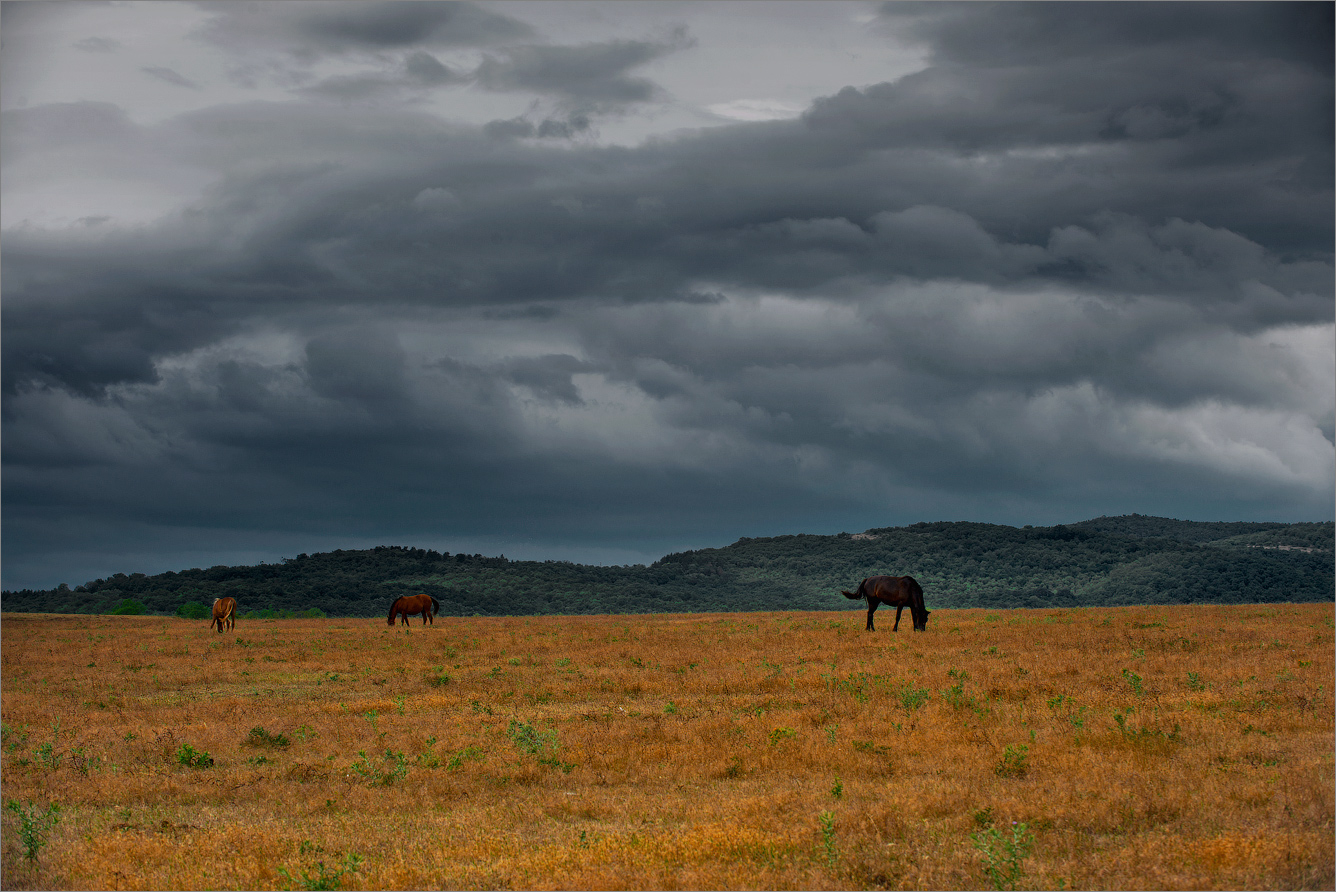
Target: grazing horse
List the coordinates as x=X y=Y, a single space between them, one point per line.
x=897 y=591
x=224 y=612
x=412 y=605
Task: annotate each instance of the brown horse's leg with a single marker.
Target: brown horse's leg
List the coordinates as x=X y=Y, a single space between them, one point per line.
x=871 y=609
x=899 y=610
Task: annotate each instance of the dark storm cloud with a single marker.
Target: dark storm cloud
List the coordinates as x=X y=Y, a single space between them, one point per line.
x=313 y=28
x=591 y=73
x=170 y=76
x=420 y=70
x=1001 y=34
x=549 y=377
x=98 y=45
x=1048 y=273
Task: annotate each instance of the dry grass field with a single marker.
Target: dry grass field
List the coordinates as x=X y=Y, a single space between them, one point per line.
x=1139 y=748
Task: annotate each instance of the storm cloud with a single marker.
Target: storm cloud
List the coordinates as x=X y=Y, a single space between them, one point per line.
x=1077 y=262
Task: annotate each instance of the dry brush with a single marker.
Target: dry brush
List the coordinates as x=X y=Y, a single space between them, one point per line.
x=1158 y=747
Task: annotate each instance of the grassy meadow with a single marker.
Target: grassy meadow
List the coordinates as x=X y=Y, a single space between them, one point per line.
x=1129 y=748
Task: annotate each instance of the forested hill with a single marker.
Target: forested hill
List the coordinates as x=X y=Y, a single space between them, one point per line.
x=1105 y=561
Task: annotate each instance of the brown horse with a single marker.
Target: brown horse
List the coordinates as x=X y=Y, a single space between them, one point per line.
x=224 y=611
x=412 y=605
x=897 y=591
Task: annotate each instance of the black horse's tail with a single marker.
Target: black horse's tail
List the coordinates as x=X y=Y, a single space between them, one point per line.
x=861 y=593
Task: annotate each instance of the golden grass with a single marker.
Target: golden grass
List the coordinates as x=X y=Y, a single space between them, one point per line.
x=1164 y=747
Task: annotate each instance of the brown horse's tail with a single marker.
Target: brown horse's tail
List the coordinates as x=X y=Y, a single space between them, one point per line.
x=435 y=606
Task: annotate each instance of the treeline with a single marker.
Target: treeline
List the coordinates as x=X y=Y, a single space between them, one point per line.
x=1102 y=562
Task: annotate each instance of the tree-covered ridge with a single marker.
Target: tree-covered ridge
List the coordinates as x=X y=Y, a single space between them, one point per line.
x=1311 y=535
x=1106 y=561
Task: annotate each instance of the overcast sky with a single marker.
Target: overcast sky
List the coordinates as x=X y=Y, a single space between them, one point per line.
x=601 y=281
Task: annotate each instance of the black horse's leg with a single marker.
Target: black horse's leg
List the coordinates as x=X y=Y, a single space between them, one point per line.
x=871 y=609
x=900 y=608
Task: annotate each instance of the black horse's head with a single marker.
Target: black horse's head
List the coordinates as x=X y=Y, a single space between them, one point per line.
x=922 y=626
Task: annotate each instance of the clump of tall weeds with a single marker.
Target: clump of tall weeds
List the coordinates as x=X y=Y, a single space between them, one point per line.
x=34 y=826
x=323 y=878
x=393 y=766
x=190 y=757
x=541 y=744
x=1002 y=856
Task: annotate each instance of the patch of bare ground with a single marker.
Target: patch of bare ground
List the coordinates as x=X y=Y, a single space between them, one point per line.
x=1157 y=747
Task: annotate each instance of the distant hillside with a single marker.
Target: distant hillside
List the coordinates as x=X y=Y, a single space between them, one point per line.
x=1105 y=561
x=1304 y=535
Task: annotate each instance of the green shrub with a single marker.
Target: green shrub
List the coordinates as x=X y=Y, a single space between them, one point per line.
x=193 y=610
x=261 y=737
x=323 y=879
x=1014 y=761
x=34 y=826
x=1002 y=857
x=129 y=607
x=190 y=757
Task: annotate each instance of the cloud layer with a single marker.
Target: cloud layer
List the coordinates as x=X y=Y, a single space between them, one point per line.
x=1043 y=278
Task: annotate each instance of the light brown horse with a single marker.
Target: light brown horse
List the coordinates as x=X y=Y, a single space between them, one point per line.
x=412 y=605
x=893 y=591
x=224 y=611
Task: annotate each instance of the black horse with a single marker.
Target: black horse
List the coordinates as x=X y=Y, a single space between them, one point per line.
x=893 y=591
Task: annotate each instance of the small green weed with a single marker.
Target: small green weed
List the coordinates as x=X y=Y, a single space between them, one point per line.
x=781 y=734
x=260 y=737
x=1144 y=734
x=1014 y=761
x=190 y=757
x=1002 y=857
x=529 y=739
x=323 y=878
x=540 y=744
x=1134 y=681
x=467 y=754
x=34 y=825
x=912 y=698
x=828 y=839
x=392 y=766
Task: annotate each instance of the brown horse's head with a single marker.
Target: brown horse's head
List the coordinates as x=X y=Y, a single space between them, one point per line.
x=922 y=626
